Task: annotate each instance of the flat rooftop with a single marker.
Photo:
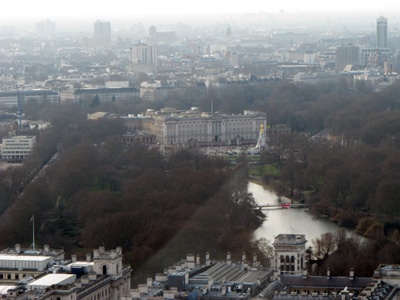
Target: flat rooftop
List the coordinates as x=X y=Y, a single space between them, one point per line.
x=13 y=257
x=5 y=288
x=52 y=279
x=290 y=239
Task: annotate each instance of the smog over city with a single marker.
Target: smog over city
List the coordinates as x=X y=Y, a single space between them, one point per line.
x=207 y=150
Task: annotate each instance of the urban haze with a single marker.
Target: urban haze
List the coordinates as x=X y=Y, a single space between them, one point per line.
x=202 y=151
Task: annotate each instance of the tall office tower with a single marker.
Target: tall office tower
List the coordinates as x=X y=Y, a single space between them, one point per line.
x=381 y=32
x=345 y=55
x=143 y=58
x=102 y=34
x=45 y=28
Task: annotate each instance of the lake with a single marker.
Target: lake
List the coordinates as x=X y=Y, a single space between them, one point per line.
x=287 y=221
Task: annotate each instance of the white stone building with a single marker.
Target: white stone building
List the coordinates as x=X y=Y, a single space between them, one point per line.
x=178 y=128
x=289 y=254
x=17 y=148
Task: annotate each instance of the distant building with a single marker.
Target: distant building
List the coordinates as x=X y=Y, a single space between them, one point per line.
x=374 y=56
x=143 y=58
x=102 y=34
x=181 y=127
x=8 y=122
x=161 y=90
x=317 y=78
x=166 y=37
x=345 y=55
x=17 y=148
x=104 y=94
x=381 y=32
x=45 y=28
x=137 y=137
x=10 y=98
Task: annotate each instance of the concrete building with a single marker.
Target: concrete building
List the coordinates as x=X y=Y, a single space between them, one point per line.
x=102 y=34
x=209 y=279
x=289 y=254
x=47 y=275
x=346 y=55
x=10 y=99
x=371 y=56
x=156 y=91
x=143 y=58
x=317 y=78
x=104 y=94
x=381 y=32
x=161 y=90
x=17 y=148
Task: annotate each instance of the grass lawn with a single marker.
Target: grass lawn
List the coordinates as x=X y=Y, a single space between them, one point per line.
x=272 y=170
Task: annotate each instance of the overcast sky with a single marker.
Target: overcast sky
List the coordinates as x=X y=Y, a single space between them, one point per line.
x=55 y=9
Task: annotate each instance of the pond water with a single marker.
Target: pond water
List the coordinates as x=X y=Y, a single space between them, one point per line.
x=287 y=221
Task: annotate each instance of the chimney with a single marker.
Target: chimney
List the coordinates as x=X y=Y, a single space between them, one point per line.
x=46 y=248
x=228 y=257
x=198 y=259
x=207 y=258
x=88 y=257
x=18 y=248
x=328 y=274
x=243 y=257
x=149 y=282
x=255 y=262
x=351 y=277
x=73 y=258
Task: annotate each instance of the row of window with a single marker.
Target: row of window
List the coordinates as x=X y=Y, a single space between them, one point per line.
x=14 y=276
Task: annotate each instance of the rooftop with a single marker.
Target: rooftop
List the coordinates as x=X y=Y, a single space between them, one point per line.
x=290 y=239
x=52 y=279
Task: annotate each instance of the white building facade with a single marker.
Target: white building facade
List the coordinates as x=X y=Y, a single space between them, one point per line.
x=206 y=127
x=289 y=254
x=17 y=148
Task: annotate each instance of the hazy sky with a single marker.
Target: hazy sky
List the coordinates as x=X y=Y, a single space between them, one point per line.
x=54 y=9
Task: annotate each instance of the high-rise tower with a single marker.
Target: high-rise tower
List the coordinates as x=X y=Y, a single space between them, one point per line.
x=345 y=55
x=102 y=34
x=381 y=32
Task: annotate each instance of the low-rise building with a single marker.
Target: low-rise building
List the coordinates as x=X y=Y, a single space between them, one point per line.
x=103 y=94
x=17 y=148
x=15 y=98
x=46 y=275
x=209 y=279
